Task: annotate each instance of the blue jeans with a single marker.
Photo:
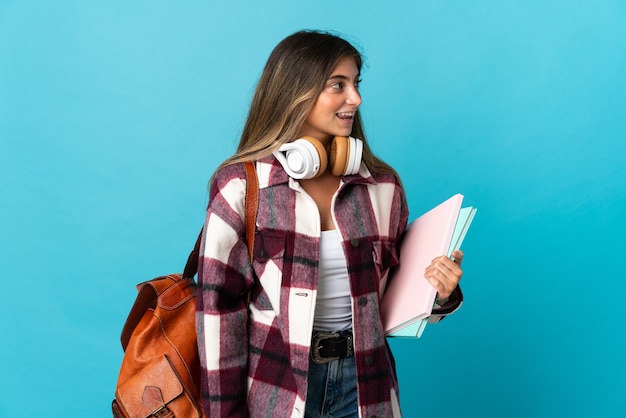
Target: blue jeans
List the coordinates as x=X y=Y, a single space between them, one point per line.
x=332 y=391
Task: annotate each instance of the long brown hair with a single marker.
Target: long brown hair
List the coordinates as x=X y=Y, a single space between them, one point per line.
x=293 y=78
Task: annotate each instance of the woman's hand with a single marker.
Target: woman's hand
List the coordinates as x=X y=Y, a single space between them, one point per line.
x=445 y=273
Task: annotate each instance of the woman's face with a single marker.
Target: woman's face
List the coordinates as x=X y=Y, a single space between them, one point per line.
x=333 y=112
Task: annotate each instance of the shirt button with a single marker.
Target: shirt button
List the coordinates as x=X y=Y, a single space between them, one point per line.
x=369 y=360
x=354 y=242
x=362 y=301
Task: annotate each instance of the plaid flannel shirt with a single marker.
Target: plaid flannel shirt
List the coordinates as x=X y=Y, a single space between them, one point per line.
x=255 y=320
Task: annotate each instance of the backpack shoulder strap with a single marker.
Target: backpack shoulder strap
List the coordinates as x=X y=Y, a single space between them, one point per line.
x=251 y=207
x=252 y=204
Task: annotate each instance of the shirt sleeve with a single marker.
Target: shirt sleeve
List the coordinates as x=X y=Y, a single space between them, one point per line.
x=224 y=279
x=451 y=305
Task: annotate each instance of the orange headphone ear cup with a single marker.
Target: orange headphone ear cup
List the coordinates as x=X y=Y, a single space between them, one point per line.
x=339 y=155
x=321 y=151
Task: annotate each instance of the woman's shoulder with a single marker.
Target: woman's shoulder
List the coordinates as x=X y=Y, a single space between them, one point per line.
x=389 y=185
x=227 y=172
x=228 y=177
x=385 y=177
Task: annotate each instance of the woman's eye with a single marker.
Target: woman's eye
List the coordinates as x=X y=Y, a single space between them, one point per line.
x=339 y=86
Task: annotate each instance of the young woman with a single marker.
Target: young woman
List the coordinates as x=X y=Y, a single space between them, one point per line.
x=297 y=332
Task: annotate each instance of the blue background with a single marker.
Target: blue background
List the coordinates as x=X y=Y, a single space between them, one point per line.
x=114 y=114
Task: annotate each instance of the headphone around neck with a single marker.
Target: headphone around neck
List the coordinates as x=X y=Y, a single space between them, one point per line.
x=305 y=158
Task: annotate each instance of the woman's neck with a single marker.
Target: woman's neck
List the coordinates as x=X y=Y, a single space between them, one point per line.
x=322 y=189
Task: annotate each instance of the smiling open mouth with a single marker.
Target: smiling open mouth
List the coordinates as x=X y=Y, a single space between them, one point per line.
x=345 y=115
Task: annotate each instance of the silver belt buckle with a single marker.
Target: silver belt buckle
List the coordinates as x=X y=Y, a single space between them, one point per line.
x=318 y=343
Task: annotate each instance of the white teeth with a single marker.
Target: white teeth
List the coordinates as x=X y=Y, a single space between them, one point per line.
x=345 y=114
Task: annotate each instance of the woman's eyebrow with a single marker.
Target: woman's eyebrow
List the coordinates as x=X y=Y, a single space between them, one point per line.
x=342 y=77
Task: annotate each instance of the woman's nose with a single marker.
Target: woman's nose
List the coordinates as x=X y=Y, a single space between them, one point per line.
x=354 y=97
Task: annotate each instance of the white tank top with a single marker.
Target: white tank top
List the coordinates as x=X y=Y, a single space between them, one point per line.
x=333 y=310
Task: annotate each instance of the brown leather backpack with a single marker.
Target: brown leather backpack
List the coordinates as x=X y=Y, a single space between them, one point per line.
x=160 y=373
